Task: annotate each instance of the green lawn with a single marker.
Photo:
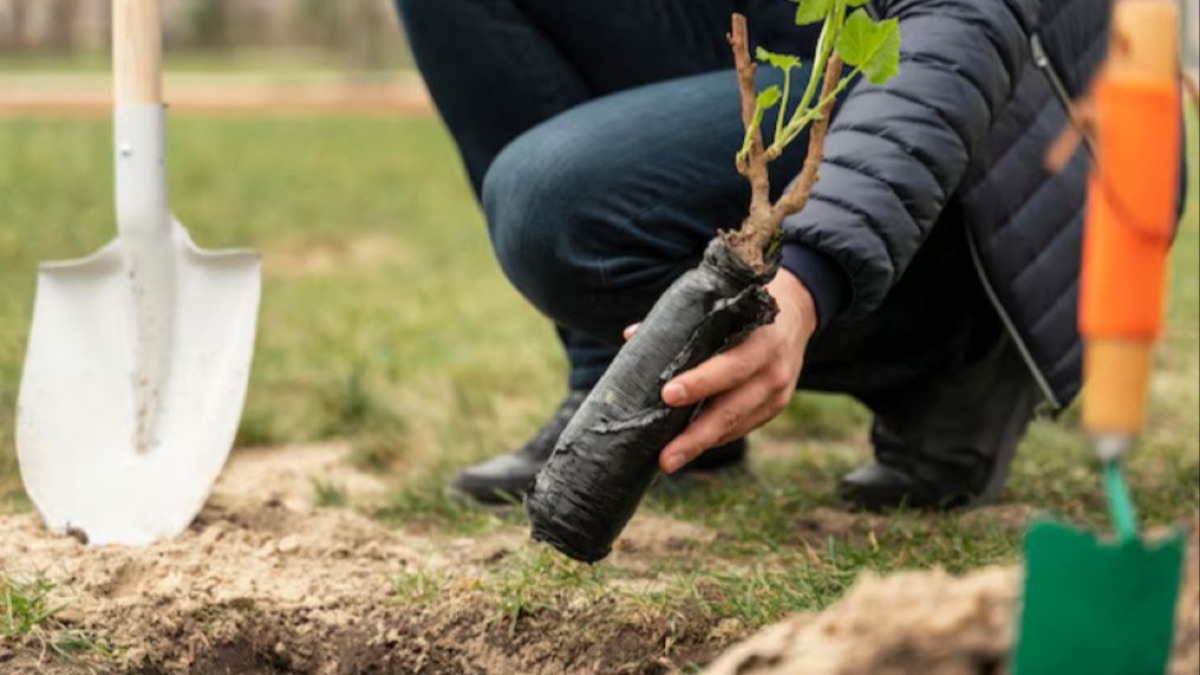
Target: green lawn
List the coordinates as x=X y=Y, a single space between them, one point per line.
x=386 y=321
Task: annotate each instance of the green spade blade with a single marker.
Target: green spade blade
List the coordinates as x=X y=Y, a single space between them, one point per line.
x=1094 y=607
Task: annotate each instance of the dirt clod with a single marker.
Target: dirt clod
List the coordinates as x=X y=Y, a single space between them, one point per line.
x=925 y=622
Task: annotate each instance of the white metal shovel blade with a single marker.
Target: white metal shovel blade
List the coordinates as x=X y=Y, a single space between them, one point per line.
x=77 y=419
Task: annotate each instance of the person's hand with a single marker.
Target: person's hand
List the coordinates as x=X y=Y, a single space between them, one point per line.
x=746 y=386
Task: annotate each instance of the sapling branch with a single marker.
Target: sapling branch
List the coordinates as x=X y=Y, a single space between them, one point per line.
x=828 y=98
x=871 y=47
x=752 y=163
x=759 y=232
x=797 y=194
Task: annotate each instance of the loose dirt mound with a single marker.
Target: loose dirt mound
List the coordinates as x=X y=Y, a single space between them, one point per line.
x=265 y=581
x=923 y=622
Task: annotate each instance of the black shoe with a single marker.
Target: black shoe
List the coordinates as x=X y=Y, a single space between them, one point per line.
x=949 y=445
x=506 y=479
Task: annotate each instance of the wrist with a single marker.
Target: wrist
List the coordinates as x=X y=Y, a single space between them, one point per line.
x=795 y=300
x=821 y=276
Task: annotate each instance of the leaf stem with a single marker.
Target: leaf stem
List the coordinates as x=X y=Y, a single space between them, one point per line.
x=796 y=196
x=787 y=91
x=803 y=114
x=820 y=57
x=796 y=127
x=829 y=32
x=748 y=138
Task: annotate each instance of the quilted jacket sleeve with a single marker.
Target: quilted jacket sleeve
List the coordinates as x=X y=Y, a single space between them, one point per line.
x=896 y=153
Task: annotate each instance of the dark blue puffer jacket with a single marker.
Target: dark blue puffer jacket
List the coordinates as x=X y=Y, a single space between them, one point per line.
x=963 y=130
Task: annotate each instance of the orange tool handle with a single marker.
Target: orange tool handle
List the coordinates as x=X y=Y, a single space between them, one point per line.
x=1131 y=213
x=1131 y=210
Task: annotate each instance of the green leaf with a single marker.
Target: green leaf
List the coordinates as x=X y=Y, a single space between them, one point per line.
x=812 y=11
x=784 y=62
x=873 y=47
x=856 y=3
x=769 y=98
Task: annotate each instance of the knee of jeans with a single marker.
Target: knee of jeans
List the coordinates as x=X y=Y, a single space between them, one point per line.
x=408 y=9
x=536 y=206
x=405 y=9
x=421 y=18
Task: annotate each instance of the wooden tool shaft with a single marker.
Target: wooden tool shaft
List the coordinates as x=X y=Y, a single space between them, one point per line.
x=137 y=51
x=1118 y=374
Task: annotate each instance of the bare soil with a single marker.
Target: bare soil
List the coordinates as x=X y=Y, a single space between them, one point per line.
x=267 y=581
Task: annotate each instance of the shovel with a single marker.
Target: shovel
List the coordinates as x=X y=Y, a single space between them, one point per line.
x=1107 y=607
x=139 y=354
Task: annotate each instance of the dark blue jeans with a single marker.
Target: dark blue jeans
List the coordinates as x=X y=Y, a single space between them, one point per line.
x=600 y=136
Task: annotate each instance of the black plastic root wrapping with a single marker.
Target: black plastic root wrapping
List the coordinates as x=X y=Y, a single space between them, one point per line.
x=607 y=456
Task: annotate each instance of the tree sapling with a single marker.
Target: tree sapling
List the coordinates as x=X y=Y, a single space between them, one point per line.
x=607 y=456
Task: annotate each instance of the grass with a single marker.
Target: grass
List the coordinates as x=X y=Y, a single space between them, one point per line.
x=25 y=604
x=386 y=321
x=28 y=616
x=328 y=494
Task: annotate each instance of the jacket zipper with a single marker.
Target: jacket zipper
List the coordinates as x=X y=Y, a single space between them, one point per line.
x=1042 y=61
x=1009 y=326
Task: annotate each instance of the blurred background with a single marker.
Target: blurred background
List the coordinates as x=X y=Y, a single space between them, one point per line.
x=249 y=55
x=356 y=35
x=243 y=54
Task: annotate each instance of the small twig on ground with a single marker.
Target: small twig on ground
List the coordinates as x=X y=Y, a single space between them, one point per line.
x=1081 y=128
x=1191 y=88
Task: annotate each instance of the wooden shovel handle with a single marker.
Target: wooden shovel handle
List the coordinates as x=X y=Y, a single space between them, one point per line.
x=137 y=51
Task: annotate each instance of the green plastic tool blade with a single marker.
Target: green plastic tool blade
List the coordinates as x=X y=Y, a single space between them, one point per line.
x=1094 y=607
